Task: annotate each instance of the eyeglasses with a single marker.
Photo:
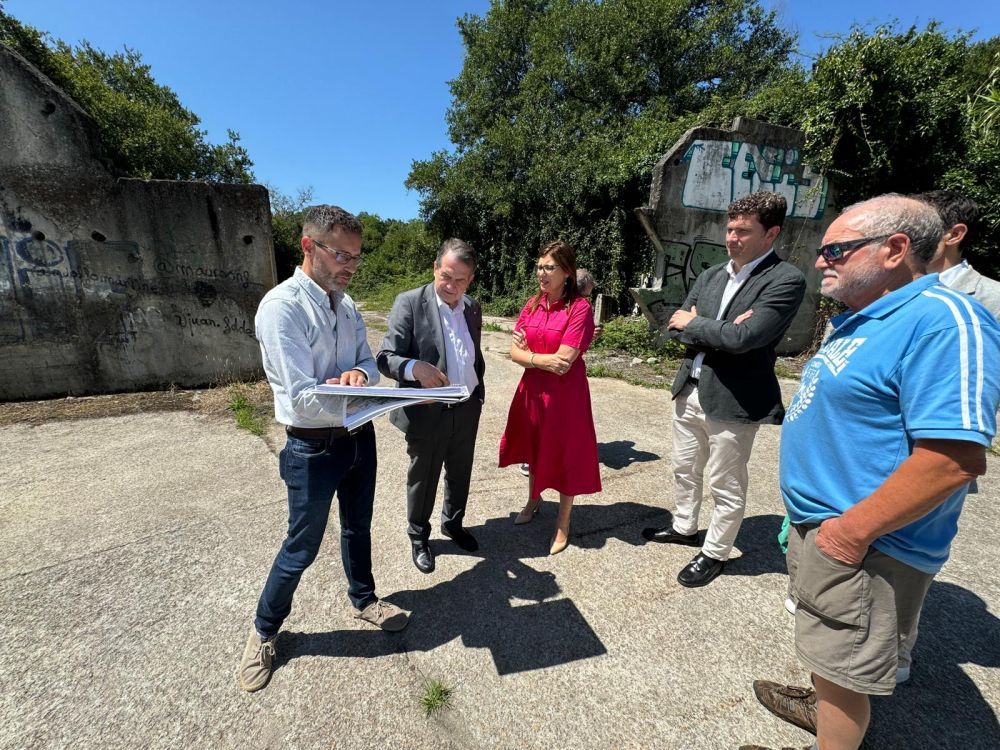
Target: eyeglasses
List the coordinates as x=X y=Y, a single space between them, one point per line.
x=835 y=250
x=339 y=255
x=546 y=269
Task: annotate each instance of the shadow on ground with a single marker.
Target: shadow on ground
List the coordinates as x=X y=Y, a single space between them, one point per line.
x=758 y=546
x=940 y=706
x=618 y=454
x=505 y=605
x=502 y=604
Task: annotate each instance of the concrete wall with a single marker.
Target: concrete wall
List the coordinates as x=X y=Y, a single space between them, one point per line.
x=694 y=183
x=109 y=284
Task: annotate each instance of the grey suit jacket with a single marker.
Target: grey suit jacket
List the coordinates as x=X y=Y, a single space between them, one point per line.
x=983 y=288
x=415 y=332
x=737 y=381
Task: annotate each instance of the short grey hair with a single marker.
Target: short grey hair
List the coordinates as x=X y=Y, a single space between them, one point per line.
x=325 y=218
x=460 y=249
x=584 y=282
x=894 y=213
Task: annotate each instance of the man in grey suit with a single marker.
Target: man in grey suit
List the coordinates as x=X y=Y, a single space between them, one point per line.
x=433 y=340
x=961 y=220
x=733 y=318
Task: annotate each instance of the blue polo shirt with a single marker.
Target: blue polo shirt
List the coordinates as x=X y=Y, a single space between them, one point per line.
x=922 y=362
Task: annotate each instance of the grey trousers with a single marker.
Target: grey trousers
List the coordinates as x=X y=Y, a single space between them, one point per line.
x=451 y=445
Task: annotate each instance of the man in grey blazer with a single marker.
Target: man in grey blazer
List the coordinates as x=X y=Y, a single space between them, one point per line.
x=433 y=339
x=961 y=220
x=731 y=322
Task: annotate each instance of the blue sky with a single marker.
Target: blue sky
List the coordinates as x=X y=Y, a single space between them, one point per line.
x=343 y=96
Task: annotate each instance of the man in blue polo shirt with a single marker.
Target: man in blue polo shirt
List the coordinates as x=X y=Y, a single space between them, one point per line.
x=890 y=424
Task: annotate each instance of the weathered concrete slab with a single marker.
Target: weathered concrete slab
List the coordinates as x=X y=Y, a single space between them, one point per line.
x=134 y=549
x=110 y=285
x=692 y=187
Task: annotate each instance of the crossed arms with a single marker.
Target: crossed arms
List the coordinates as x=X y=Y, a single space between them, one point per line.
x=770 y=316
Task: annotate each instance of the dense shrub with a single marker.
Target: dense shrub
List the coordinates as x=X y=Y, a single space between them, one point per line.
x=634 y=336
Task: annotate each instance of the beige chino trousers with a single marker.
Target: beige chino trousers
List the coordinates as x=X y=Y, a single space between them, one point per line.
x=718 y=451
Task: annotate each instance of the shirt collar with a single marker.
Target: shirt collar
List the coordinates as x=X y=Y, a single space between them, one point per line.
x=748 y=268
x=442 y=304
x=314 y=290
x=885 y=306
x=549 y=307
x=948 y=275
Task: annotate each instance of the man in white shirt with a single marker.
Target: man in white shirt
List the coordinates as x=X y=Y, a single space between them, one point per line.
x=310 y=332
x=961 y=219
x=433 y=340
x=733 y=318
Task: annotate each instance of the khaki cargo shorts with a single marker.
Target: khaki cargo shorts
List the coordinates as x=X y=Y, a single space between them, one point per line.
x=850 y=619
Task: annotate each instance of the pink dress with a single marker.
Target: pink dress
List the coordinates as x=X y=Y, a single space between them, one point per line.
x=550 y=424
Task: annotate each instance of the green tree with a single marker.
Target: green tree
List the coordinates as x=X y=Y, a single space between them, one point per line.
x=398 y=256
x=286 y=228
x=888 y=111
x=145 y=131
x=561 y=110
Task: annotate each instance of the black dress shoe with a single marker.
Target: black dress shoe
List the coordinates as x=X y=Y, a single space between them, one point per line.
x=668 y=535
x=700 y=571
x=423 y=558
x=461 y=537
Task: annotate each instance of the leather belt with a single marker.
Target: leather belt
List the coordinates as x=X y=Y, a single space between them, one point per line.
x=317 y=433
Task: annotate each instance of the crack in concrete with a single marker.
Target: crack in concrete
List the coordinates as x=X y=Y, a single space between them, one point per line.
x=447 y=721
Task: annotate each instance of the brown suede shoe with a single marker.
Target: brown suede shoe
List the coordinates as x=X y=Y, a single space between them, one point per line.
x=796 y=705
x=257 y=662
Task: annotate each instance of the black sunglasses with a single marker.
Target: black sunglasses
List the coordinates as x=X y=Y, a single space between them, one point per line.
x=835 y=250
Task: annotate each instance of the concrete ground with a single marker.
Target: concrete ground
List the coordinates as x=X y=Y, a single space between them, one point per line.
x=134 y=549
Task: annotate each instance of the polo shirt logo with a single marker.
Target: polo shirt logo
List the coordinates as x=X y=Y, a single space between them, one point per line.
x=806 y=393
x=835 y=355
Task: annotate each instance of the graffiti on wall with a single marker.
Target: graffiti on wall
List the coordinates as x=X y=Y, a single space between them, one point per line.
x=42 y=281
x=719 y=172
x=683 y=262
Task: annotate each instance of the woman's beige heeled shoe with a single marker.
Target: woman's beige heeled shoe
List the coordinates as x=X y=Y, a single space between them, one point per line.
x=558 y=546
x=528 y=514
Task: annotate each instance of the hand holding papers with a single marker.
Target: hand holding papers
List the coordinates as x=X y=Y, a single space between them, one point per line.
x=361 y=404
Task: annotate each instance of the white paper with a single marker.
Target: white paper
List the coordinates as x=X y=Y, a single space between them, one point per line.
x=361 y=404
x=444 y=393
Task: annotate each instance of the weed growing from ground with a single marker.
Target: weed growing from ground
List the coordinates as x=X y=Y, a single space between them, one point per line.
x=437 y=696
x=246 y=417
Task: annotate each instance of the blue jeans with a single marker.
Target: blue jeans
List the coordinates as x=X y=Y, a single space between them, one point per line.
x=314 y=470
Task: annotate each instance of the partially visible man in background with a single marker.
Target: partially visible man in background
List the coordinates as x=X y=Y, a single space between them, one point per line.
x=961 y=219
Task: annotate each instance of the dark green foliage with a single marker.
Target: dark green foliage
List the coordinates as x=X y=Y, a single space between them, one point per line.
x=888 y=111
x=286 y=228
x=633 y=335
x=563 y=107
x=509 y=305
x=144 y=129
x=885 y=110
x=399 y=255
x=560 y=112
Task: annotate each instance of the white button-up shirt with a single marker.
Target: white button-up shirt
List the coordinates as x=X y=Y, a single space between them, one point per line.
x=736 y=280
x=303 y=343
x=460 y=352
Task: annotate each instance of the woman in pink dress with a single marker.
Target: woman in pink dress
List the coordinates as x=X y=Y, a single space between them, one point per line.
x=550 y=425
